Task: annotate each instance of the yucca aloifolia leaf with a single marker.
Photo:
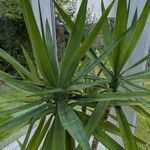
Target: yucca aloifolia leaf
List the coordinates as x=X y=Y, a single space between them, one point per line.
x=105 y=29
x=33 y=142
x=103 y=55
x=17 y=126
x=96 y=116
x=21 y=69
x=87 y=42
x=50 y=46
x=85 y=46
x=41 y=21
x=111 y=128
x=31 y=105
x=22 y=120
x=67 y=19
x=39 y=49
x=58 y=135
x=106 y=140
x=100 y=135
x=138 y=76
x=30 y=128
x=140 y=61
x=129 y=5
x=47 y=144
x=30 y=63
x=106 y=33
x=142 y=111
x=73 y=44
x=137 y=32
x=122 y=96
x=20 y=84
x=127 y=136
x=73 y=125
x=11 y=137
x=69 y=142
x=120 y=27
x=44 y=130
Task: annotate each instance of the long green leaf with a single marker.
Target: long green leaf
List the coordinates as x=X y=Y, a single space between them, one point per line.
x=111 y=128
x=92 y=36
x=113 y=96
x=34 y=139
x=19 y=67
x=96 y=116
x=29 y=62
x=146 y=58
x=73 y=125
x=68 y=22
x=58 y=133
x=106 y=140
x=51 y=49
x=47 y=144
x=138 y=76
x=30 y=128
x=133 y=85
x=82 y=86
x=21 y=108
x=137 y=33
x=44 y=131
x=105 y=29
x=24 y=119
x=120 y=27
x=105 y=53
x=69 y=142
x=142 y=111
x=127 y=135
x=23 y=85
x=39 y=49
x=73 y=44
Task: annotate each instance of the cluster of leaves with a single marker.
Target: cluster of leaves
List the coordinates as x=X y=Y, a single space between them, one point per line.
x=68 y=100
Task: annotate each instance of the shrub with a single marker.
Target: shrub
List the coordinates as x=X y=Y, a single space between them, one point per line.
x=69 y=101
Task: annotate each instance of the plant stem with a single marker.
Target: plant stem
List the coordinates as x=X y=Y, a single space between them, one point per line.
x=94 y=144
x=113 y=86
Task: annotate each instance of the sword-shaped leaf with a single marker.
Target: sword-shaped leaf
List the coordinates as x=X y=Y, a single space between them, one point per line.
x=21 y=69
x=73 y=45
x=73 y=125
x=30 y=63
x=137 y=32
x=106 y=140
x=20 y=84
x=58 y=135
x=127 y=135
x=39 y=49
x=120 y=27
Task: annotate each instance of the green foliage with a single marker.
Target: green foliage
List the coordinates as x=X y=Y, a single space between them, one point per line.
x=10 y=9
x=13 y=32
x=76 y=93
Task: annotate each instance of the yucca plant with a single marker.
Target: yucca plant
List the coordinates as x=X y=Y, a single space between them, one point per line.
x=67 y=102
